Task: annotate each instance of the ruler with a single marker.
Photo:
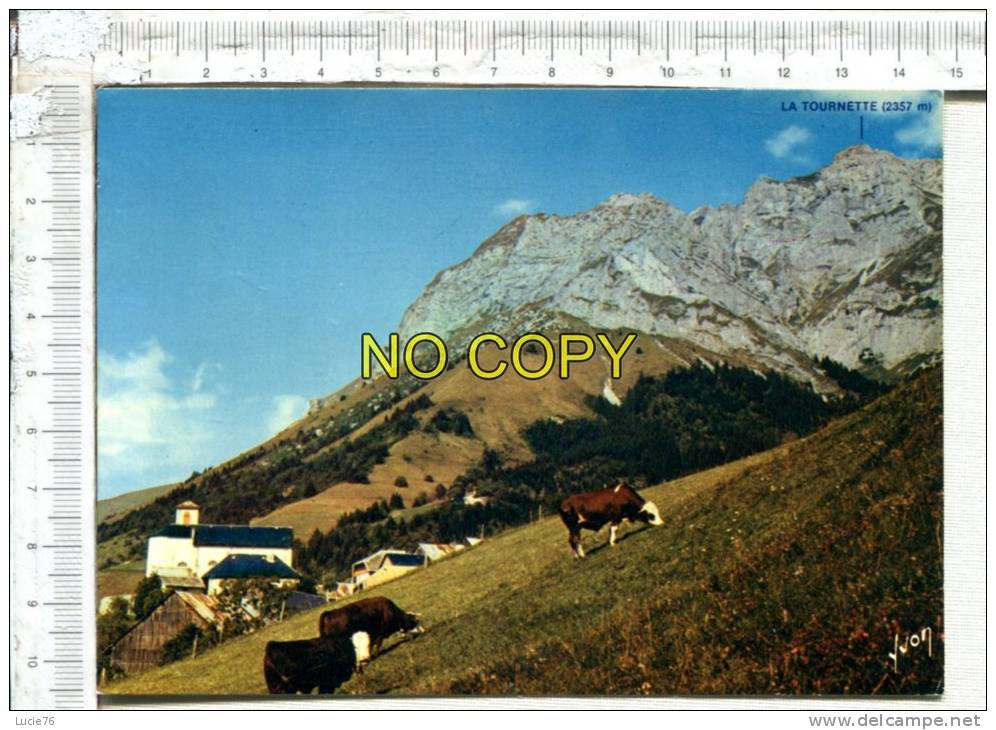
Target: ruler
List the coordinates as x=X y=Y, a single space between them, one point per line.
x=773 y=50
x=52 y=422
x=53 y=209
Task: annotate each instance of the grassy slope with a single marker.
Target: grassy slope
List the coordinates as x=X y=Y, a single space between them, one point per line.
x=120 y=580
x=785 y=572
x=443 y=456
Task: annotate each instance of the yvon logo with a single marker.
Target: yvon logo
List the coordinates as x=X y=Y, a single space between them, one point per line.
x=924 y=639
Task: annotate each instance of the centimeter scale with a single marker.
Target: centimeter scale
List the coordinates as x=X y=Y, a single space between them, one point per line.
x=53 y=202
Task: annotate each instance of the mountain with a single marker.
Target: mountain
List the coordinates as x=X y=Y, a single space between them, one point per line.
x=792 y=571
x=845 y=263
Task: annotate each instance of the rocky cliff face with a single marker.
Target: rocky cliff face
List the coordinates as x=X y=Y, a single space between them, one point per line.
x=845 y=262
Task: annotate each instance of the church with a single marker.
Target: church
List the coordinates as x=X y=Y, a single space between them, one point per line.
x=189 y=547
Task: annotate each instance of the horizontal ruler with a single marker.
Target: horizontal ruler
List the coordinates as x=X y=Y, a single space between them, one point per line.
x=932 y=50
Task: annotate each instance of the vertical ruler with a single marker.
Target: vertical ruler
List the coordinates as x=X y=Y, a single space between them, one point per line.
x=52 y=415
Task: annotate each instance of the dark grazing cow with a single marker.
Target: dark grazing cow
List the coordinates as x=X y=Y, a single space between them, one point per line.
x=379 y=617
x=611 y=505
x=300 y=666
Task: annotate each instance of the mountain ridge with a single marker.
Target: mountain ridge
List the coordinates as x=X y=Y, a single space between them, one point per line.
x=792 y=271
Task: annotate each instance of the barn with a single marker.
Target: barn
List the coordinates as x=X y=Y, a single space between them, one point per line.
x=142 y=647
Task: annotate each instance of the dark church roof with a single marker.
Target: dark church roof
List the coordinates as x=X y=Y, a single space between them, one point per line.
x=243 y=536
x=232 y=535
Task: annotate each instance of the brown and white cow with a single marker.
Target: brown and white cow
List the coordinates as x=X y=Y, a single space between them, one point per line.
x=378 y=617
x=608 y=506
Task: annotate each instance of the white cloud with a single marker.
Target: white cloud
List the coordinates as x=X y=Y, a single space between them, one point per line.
x=149 y=430
x=787 y=143
x=924 y=134
x=204 y=372
x=286 y=410
x=144 y=370
x=514 y=206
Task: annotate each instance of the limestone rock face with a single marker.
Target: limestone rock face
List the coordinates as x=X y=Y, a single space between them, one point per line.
x=845 y=262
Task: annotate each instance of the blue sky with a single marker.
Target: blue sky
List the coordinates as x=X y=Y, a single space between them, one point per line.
x=246 y=238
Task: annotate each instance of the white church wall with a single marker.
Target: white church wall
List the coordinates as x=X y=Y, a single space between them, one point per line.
x=170 y=552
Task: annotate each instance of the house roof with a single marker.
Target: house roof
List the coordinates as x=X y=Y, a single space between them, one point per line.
x=375 y=560
x=250 y=566
x=299 y=601
x=179 y=577
x=435 y=551
x=189 y=504
x=405 y=560
x=232 y=535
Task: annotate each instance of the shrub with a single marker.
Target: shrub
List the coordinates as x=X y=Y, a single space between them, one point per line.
x=450 y=420
x=401 y=482
x=147 y=597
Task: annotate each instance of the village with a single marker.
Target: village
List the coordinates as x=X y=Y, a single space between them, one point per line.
x=215 y=581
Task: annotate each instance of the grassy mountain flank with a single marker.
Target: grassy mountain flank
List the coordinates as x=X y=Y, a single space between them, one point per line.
x=790 y=572
x=116 y=507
